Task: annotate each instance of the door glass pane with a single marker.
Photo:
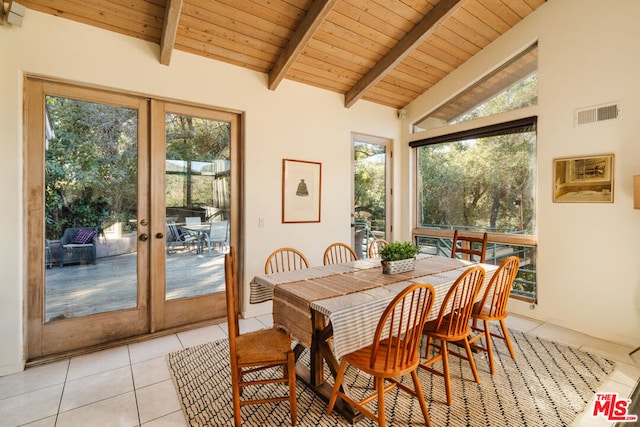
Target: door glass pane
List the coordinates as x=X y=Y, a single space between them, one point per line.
x=370 y=192
x=90 y=208
x=197 y=199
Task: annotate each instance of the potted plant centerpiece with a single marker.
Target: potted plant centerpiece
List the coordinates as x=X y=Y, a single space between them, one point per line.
x=398 y=257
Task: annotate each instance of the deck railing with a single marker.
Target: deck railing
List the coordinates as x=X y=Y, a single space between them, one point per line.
x=439 y=242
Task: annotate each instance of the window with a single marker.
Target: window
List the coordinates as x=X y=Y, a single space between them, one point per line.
x=512 y=86
x=483 y=178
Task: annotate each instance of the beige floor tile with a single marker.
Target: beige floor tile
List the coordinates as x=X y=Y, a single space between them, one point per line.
x=521 y=323
x=154 y=348
x=201 y=335
x=175 y=419
x=32 y=379
x=150 y=372
x=116 y=411
x=561 y=335
x=249 y=325
x=157 y=400
x=626 y=374
x=100 y=361
x=266 y=319
x=96 y=387
x=613 y=351
x=45 y=422
x=31 y=406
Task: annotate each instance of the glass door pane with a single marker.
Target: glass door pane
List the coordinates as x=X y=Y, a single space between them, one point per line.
x=91 y=199
x=370 y=192
x=197 y=201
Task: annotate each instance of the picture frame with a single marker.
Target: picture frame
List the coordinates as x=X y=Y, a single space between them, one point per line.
x=301 y=191
x=584 y=179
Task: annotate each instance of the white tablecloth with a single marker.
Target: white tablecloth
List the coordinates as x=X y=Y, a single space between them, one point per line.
x=354 y=317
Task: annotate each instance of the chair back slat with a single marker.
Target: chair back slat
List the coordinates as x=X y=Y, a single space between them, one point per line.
x=469 y=246
x=458 y=304
x=496 y=296
x=338 y=253
x=399 y=329
x=376 y=246
x=285 y=259
x=173 y=229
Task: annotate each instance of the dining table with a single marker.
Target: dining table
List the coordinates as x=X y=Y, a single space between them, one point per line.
x=333 y=310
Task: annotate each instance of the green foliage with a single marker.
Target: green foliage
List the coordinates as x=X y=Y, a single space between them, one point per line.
x=91 y=165
x=370 y=185
x=396 y=251
x=486 y=183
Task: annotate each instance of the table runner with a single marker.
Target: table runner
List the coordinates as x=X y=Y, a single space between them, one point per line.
x=354 y=317
x=292 y=300
x=262 y=285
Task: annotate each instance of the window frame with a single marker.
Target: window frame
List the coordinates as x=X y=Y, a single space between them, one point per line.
x=528 y=240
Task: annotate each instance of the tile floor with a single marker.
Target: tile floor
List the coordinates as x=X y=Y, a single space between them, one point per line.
x=131 y=385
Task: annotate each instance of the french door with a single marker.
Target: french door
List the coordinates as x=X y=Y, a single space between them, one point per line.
x=371 y=215
x=106 y=173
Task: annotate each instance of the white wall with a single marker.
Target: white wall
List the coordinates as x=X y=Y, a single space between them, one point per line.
x=588 y=268
x=295 y=121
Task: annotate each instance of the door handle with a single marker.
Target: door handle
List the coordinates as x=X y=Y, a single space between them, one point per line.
x=159 y=235
x=144 y=237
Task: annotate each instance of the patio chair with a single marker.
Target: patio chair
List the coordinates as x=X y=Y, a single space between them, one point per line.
x=393 y=353
x=193 y=220
x=177 y=237
x=217 y=235
x=78 y=245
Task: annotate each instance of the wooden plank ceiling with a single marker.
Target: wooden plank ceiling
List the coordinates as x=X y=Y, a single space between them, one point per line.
x=384 y=51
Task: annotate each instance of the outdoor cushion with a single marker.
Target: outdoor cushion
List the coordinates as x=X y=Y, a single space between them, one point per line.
x=83 y=236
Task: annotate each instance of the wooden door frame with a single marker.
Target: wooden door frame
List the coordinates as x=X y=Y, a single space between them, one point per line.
x=57 y=336
x=152 y=319
x=388 y=144
x=175 y=313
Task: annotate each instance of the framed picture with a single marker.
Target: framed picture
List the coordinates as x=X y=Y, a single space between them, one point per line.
x=587 y=179
x=301 y=191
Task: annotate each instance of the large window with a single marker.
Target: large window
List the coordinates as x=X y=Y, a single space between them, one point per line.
x=483 y=181
x=483 y=178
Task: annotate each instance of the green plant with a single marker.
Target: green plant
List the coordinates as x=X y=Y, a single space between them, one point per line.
x=396 y=251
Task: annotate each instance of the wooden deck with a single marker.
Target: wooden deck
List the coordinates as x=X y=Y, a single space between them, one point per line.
x=110 y=284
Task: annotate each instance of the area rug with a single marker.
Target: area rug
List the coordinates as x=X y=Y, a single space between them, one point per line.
x=548 y=384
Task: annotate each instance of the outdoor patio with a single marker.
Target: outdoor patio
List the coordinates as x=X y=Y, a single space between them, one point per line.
x=110 y=284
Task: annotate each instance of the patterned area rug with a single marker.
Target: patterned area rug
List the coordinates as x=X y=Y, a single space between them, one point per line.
x=547 y=385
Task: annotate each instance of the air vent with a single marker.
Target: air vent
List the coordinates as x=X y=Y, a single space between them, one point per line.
x=596 y=114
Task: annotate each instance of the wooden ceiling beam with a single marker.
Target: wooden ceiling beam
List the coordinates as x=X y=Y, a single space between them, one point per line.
x=169 y=30
x=310 y=23
x=418 y=34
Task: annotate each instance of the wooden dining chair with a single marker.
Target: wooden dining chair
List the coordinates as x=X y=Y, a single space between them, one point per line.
x=393 y=353
x=453 y=325
x=470 y=246
x=338 y=253
x=493 y=307
x=256 y=351
x=376 y=246
x=285 y=259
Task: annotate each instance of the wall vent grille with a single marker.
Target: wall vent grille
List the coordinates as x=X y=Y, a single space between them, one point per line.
x=596 y=114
